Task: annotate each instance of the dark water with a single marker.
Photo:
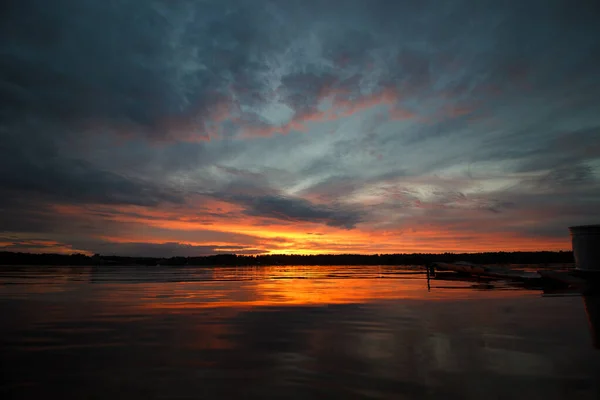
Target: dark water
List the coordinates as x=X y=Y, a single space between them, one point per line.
x=286 y=332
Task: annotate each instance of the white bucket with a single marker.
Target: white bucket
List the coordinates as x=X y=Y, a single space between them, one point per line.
x=586 y=247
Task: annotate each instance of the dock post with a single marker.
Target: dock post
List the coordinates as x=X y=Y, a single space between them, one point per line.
x=431 y=270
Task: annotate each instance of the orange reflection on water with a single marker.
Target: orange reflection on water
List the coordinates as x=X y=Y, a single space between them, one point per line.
x=246 y=287
x=243 y=288
x=225 y=332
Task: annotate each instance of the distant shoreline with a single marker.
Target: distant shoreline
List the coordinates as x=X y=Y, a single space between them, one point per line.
x=539 y=257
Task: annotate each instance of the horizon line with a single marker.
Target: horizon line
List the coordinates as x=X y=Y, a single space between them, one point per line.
x=281 y=254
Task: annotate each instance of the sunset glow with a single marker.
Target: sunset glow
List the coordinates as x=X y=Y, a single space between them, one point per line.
x=257 y=128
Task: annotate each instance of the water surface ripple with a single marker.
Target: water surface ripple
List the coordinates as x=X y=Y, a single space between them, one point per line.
x=348 y=332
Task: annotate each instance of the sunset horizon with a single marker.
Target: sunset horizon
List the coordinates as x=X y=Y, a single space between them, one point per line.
x=298 y=127
x=300 y=199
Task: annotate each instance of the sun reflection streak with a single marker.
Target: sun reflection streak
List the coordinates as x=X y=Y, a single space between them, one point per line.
x=243 y=288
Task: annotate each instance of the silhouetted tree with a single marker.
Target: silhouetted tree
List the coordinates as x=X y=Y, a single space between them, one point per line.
x=542 y=257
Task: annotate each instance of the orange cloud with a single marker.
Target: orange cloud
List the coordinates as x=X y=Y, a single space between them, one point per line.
x=301 y=237
x=27 y=245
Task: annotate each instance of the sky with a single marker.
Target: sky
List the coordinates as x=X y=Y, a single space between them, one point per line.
x=179 y=127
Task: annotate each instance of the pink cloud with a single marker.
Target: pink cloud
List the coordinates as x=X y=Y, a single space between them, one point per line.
x=399 y=114
x=343 y=104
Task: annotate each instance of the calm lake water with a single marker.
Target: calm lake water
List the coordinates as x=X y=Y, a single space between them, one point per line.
x=286 y=332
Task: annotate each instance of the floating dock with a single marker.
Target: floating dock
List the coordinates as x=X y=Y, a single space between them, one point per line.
x=565 y=278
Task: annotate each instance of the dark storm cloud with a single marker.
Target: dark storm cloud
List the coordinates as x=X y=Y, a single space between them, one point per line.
x=143 y=63
x=564 y=150
x=129 y=63
x=31 y=169
x=566 y=177
x=297 y=210
x=146 y=67
x=22 y=213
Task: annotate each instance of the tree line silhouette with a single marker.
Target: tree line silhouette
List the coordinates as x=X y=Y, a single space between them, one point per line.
x=541 y=257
